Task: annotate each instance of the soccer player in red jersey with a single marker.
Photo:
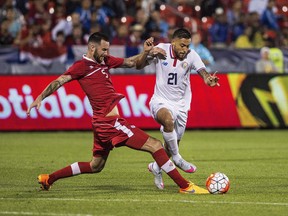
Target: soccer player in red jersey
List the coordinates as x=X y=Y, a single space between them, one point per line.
x=110 y=129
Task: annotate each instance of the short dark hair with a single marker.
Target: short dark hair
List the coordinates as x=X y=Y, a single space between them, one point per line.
x=96 y=37
x=181 y=33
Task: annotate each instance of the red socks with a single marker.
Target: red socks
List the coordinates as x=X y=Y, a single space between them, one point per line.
x=168 y=167
x=74 y=169
x=159 y=156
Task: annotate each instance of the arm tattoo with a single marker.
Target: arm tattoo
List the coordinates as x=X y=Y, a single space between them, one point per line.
x=131 y=61
x=53 y=86
x=203 y=73
x=133 y=58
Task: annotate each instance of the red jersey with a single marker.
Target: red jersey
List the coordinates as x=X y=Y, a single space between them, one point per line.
x=95 y=80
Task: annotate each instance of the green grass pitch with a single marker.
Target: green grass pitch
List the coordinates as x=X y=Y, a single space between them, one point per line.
x=256 y=162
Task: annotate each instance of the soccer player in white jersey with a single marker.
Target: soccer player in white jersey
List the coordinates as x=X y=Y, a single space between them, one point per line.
x=170 y=102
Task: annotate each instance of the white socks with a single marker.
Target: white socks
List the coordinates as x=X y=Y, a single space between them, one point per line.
x=171 y=141
x=172 y=144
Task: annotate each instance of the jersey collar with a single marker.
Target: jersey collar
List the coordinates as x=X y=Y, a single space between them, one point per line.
x=92 y=60
x=88 y=59
x=172 y=54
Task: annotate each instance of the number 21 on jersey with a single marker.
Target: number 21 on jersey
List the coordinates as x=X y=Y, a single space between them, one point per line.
x=172 y=79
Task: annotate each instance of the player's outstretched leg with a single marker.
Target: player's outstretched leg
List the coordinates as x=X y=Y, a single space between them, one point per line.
x=76 y=168
x=156 y=171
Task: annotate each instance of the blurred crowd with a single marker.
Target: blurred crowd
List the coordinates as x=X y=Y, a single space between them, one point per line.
x=54 y=26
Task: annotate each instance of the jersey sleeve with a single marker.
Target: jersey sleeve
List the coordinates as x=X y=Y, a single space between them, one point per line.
x=114 y=62
x=77 y=70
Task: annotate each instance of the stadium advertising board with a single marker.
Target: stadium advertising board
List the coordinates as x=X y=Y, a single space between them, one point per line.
x=240 y=101
x=261 y=100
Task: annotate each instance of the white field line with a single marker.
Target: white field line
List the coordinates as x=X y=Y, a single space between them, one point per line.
x=138 y=200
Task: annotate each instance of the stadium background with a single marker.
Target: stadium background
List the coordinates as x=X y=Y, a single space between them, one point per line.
x=30 y=58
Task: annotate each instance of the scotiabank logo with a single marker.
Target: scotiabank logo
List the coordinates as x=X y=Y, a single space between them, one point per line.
x=64 y=105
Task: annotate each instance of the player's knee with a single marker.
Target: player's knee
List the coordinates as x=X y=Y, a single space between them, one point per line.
x=168 y=125
x=97 y=166
x=152 y=145
x=157 y=144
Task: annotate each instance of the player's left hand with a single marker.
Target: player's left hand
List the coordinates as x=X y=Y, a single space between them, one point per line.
x=212 y=80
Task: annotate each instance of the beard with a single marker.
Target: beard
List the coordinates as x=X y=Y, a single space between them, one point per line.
x=98 y=58
x=181 y=56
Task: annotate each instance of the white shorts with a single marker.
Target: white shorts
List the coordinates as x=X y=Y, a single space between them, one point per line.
x=179 y=115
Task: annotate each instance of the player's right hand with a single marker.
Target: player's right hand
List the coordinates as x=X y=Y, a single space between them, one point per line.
x=212 y=80
x=148 y=44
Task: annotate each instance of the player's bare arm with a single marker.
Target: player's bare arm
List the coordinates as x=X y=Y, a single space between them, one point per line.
x=132 y=61
x=154 y=52
x=211 y=80
x=141 y=61
x=149 y=51
x=52 y=87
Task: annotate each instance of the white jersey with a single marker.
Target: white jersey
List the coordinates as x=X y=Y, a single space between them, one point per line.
x=173 y=77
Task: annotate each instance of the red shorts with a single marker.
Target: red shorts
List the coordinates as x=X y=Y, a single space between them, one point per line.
x=114 y=131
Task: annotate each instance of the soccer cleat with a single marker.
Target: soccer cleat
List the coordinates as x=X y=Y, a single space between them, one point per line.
x=43 y=180
x=193 y=189
x=158 y=181
x=185 y=166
